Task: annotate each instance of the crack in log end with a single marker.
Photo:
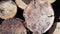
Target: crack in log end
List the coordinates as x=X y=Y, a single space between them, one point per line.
x=51 y=16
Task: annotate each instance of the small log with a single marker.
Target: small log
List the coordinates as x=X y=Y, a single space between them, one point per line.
x=12 y=26
x=39 y=16
x=23 y=3
x=8 y=9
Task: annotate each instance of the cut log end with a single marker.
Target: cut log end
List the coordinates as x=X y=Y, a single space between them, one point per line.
x=12 y=26
x=8 y=9
x=39 y=16
x=23 y=3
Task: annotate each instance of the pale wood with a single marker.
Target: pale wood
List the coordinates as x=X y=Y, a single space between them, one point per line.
x=39 y=16
x=21 y=4
x=12 y=26
x=8 y=9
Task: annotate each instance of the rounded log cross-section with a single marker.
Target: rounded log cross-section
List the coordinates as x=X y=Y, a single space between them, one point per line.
x=12 y=26
x=39 y=16
x=23 y=3
x=8 y=9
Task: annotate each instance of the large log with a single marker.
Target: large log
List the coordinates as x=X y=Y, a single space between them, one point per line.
x=39 y=16
x=23 y=3
x=8 y=9
x=12 y=26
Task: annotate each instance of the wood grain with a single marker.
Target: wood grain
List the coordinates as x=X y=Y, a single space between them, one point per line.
x=12 y=26
x=39 y=16
x=8 y=9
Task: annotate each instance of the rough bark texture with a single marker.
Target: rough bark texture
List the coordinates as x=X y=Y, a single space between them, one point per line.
x=12 y=26
x=8 y=9
x=39 y=16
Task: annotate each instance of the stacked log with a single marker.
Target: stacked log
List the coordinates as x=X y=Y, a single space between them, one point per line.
x=12 y=26
x=39 y=16
x=8 y=9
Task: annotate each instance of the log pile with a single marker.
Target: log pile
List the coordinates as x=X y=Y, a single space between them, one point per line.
x=38 y=16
